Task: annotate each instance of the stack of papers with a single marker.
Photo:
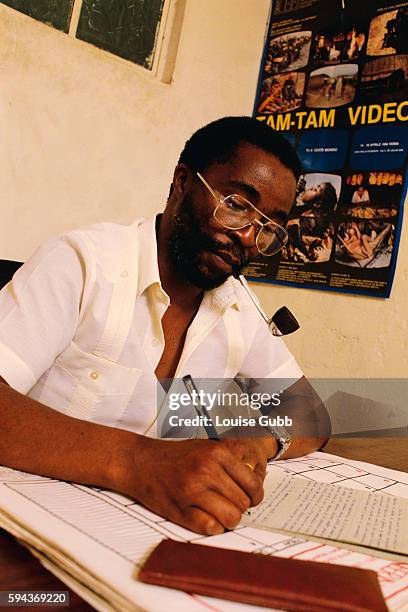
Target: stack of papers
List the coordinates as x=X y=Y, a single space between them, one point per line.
x=95 y=540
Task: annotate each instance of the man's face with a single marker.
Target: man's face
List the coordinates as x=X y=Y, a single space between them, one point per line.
x=204 y=251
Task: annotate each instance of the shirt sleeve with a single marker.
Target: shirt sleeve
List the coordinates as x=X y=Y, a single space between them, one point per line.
x=39 y=313
x=269 y=357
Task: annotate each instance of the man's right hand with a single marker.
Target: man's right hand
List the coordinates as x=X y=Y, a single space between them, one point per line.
x=199 y=484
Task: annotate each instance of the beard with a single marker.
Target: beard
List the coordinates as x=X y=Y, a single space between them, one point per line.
x=188 y=242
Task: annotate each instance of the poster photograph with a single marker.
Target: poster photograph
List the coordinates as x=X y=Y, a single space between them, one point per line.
x=334 y=82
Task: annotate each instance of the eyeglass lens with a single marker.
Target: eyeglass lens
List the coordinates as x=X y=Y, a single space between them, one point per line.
x=235 y=212
x=270 y=239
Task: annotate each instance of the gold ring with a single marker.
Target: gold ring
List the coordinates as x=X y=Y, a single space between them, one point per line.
x=251 y=467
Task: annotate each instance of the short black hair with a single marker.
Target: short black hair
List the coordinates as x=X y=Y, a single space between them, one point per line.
x=217 y=141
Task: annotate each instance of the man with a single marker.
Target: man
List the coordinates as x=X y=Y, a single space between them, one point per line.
x=360 y=196
x=95 y=317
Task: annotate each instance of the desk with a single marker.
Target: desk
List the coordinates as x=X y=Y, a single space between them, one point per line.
x=19 y=570
x=391 y=453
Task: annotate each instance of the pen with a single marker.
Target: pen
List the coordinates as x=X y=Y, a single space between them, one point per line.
x=200 y=409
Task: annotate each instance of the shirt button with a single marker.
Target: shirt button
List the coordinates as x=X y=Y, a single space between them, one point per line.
x=94 y=375
x=124 y=274
x=155 y=342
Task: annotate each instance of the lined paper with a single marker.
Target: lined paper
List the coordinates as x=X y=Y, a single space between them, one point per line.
x=97 y=539
x=113 y=527
x=333 y=512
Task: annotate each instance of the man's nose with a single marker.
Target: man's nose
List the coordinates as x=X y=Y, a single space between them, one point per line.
x=246 y=235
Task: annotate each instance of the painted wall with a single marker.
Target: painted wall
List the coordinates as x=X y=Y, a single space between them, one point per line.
x=85 y=137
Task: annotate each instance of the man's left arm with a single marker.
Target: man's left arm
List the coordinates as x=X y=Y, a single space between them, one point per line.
x=311 y=426
x=269 y=368
x=309 y=430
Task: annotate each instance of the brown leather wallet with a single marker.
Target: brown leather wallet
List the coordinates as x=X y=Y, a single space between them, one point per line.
x=274 y=582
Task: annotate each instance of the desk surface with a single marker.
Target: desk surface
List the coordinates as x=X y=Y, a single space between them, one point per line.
x=389 y=452
x=20 y=571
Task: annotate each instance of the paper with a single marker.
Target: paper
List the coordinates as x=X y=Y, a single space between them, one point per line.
x=333 y=512
x=95 y=539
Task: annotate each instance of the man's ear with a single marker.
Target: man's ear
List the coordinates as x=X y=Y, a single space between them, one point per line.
x=182 y=178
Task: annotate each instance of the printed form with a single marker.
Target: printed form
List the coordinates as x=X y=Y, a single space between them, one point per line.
x=95 y=540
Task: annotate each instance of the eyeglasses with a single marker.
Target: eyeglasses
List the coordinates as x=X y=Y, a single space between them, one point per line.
x=235 y=212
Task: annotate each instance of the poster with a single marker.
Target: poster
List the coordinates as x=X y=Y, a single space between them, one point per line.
x=334 y=82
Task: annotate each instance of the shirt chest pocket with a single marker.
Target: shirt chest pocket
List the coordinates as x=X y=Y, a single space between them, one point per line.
x=101 y=389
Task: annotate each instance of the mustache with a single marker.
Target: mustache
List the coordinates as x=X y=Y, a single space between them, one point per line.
x=206 y=243
x=188 y=240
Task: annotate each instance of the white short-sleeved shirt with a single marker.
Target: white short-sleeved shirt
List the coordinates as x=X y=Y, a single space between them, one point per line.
x=80 y=328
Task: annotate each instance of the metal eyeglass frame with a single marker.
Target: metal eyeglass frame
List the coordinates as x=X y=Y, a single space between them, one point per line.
x=221 y=199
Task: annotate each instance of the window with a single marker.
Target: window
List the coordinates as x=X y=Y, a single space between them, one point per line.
x=56 y=13
x=126 y=28
x=142 y=31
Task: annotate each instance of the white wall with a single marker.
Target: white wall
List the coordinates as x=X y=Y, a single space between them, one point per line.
x=90 y=138
x=85 y=137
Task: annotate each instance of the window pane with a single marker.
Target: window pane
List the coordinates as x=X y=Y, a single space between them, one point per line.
x=124 y=27
x=56 y=13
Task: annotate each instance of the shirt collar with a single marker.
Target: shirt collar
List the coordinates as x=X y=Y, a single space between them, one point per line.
x=148 y=264
x=229 y=294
